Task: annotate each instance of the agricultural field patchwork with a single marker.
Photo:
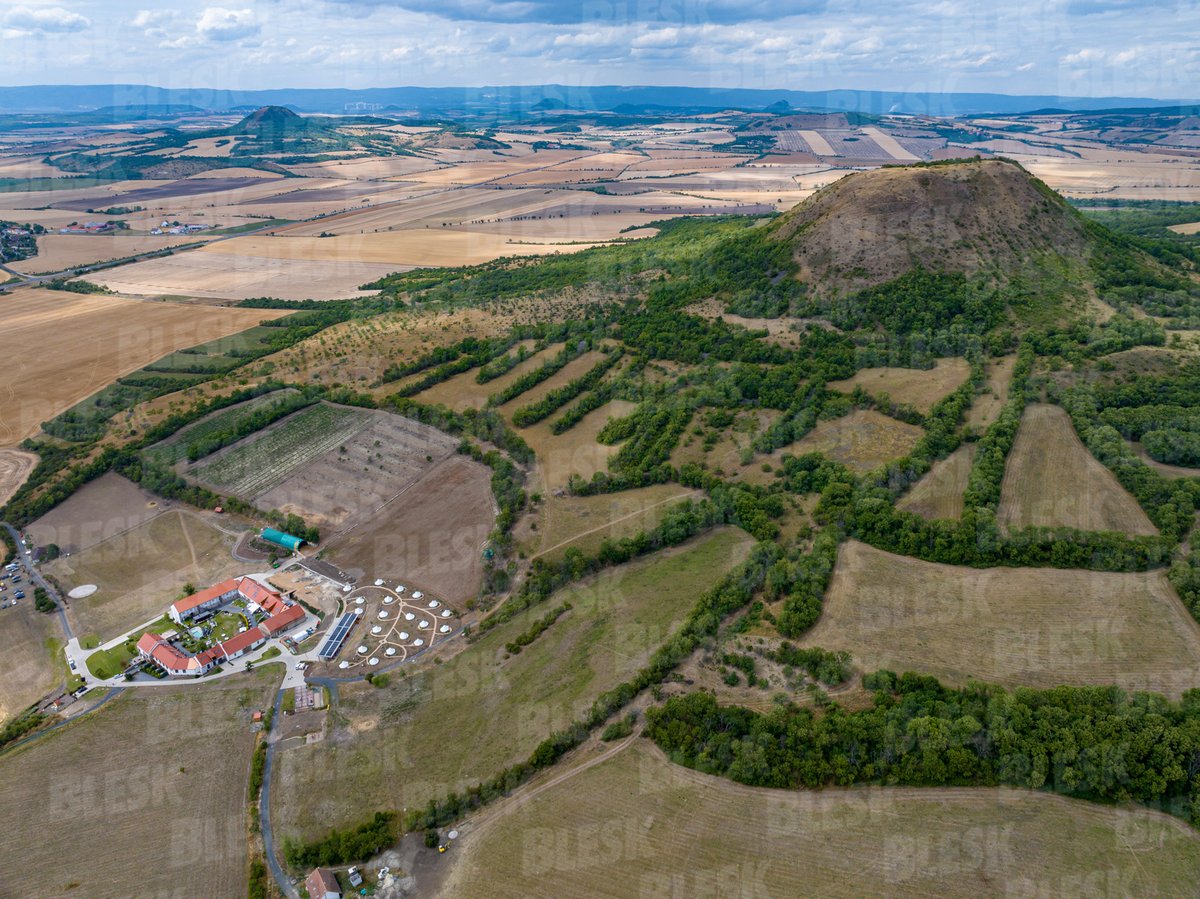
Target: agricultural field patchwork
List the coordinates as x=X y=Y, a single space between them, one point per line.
x=1035 y=627
x=85 y=342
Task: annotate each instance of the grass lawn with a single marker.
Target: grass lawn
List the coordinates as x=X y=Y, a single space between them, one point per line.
x=446 y=725
x=111 y=662
x=269 y=654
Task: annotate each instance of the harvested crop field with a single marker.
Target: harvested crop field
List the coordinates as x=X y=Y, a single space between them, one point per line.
x=15 y=467
x=98 y=510
x=155 y=782
x=29 y=662
x=57 y=252
x=85 y=342
x=1037 y=627
x=939 y=492
x=226 y=277
x=139 y=572
x=431 y=537
x=914 y=387
x=636 y=824
x=862 y=440
x=455 y=723
x=1051 y=480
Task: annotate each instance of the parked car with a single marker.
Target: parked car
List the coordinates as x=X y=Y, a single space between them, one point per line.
x=20 y=594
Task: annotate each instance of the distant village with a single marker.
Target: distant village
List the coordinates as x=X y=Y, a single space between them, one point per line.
x=18 y=241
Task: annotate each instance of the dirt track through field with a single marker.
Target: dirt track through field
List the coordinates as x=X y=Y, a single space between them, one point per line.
x=672 y=831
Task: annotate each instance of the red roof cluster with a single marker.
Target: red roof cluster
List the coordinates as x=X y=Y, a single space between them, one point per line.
x=281 y=616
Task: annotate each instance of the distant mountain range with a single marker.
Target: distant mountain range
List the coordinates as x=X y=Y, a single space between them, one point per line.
x=539 y=99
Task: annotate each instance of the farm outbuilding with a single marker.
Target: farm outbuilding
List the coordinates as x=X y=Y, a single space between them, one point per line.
x=279 y=538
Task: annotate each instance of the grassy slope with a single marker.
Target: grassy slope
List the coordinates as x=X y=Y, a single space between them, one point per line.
x=1037 y=627
x=155 y=783
x=637 y=825
x=1051 y=479
x=450 y=724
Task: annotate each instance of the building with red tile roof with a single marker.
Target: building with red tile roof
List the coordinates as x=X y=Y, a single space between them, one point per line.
x=281 y=616
x=284 y=620
x=321 y=884
x=205 y=600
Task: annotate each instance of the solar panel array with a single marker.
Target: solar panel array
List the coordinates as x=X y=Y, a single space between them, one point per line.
x=333 y=643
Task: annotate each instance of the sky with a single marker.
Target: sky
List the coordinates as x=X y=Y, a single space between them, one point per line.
x=1090 y=48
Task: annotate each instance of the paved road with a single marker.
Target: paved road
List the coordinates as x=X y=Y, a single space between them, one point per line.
x=264 y=812
x=111 y=694
x=25 y=558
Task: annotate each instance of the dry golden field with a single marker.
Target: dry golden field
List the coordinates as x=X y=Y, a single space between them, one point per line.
x=574 y=452
x=584 y=522
x=71 y=345
x=155 y=784
x=57 y=252
x=939 y=492
x=1037 y=627
x=631 y=823
x=862 y=440
x=1051 y=480
x=15 y=466
x=910 y=386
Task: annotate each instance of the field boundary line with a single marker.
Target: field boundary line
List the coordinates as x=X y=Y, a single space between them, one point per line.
x=642 y=511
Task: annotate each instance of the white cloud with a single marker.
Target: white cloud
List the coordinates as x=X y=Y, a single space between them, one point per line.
x=219 y=24
x=43 y=20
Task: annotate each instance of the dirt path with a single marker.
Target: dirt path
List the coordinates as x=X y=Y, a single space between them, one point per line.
x=486 y=817
x=610 y=523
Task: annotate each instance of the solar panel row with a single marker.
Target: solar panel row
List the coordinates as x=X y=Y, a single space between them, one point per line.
x=337 y=636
